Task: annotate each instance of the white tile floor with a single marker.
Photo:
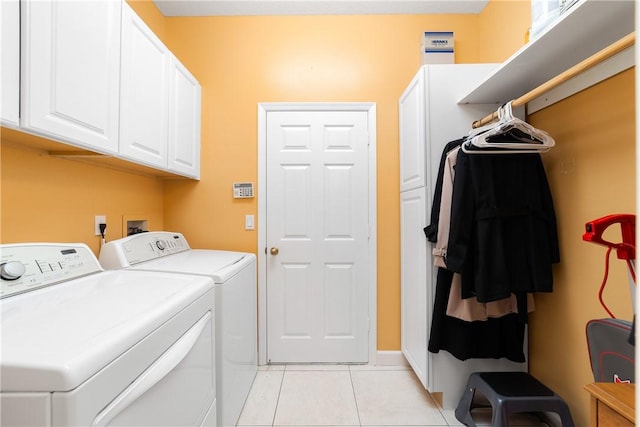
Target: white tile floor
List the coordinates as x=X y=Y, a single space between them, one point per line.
x=349 y=395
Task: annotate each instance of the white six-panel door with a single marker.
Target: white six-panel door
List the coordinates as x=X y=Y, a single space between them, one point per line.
x=317 y=236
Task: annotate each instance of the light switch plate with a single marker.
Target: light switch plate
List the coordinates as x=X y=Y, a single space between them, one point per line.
x=249 y=222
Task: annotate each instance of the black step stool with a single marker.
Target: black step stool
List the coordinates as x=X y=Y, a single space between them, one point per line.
x=508 y=393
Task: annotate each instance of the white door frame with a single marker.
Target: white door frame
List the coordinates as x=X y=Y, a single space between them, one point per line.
x=263 y=109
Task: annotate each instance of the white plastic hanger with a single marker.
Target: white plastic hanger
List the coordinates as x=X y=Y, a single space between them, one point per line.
x=521 y=136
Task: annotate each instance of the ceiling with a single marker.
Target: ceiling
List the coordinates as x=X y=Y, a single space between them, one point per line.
x=315 y=7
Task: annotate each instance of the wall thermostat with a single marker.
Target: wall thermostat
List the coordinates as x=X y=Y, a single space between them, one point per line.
x=243 y=190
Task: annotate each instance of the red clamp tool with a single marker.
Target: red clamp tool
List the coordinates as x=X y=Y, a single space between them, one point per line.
x=625 y=250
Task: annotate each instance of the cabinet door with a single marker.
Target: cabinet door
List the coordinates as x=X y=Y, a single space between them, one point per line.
x=414 y=271
x=413 y=116
x=184 y=122
x=71 y=71
x=144 y=97
x=10 y=50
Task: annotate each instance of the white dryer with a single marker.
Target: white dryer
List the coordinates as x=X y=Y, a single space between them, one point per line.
x=87 y=347
x=234 y=274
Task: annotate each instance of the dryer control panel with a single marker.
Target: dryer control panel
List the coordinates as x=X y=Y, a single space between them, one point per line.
x=28 y=266
x=141 y=247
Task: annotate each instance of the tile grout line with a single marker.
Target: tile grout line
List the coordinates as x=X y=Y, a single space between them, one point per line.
x=440 y=409
x=275 y=412
x=353 y=389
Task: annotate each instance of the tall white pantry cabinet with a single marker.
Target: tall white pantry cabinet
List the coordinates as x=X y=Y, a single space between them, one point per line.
x=430 y=117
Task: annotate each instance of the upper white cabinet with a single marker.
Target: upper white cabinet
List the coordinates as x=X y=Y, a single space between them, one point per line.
x=10 y=73
x=160 y=103
x=91 y=74
x=413 y=126
x=144 y=94
x=184 y=121
x=428 y=118
x=70 y=68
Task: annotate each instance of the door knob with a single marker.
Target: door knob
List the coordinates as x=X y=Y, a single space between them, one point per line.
x=274 y=251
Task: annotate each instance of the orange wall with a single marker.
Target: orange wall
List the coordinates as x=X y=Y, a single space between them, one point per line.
x=46 y=198
x=242 y=61
x=591 y=171
x=151 y=16
x=52 y=199
x=502 y=28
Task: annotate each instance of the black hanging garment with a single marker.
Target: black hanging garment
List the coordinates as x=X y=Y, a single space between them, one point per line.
x=492 y=338
x=431 y=230
x=503 y=236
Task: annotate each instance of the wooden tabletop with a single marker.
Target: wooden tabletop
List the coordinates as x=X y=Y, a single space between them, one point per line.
x=619 y=397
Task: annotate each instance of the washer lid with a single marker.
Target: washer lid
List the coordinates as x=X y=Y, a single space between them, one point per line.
x=55 y=338
x=220 y=265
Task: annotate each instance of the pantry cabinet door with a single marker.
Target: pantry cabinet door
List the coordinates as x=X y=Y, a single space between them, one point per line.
x=415 y=277
x=144 y=111
x=10 y=60
x=184 y=122
x=70 y=68
x=413 y=113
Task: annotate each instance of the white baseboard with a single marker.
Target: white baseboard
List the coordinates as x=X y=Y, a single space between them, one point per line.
x=390 y=358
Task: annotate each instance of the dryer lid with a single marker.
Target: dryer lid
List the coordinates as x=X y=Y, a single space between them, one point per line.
x=55 y=338
x=219 y=265
x=169 y=251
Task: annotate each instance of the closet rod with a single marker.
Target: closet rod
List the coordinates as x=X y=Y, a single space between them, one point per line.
x=607 y=52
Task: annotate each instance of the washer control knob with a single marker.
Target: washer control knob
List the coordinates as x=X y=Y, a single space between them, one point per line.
x=161 y=245
x=11 y=270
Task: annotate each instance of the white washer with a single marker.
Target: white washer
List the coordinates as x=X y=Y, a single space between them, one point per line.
x=87 y=347
x=234 y=274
